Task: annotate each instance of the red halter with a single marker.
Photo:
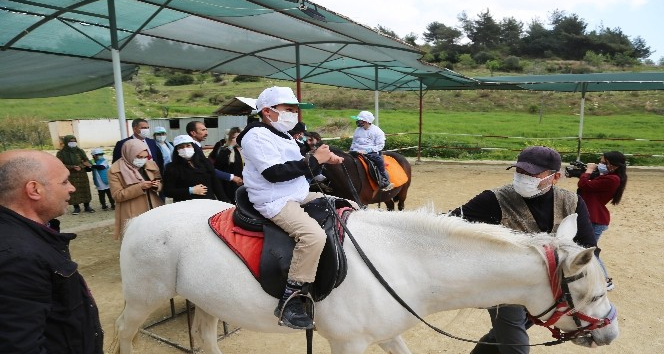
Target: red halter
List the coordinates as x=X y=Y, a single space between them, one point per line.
x=564 y=305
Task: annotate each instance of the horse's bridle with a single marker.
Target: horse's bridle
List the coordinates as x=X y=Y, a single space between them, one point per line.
x=564 y=305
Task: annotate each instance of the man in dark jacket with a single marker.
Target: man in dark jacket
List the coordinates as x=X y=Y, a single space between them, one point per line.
x=531 y=203
x=45 y=305
x=141 y=130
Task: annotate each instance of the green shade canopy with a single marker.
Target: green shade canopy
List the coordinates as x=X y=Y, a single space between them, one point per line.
x=622 y=81
x=67 y=40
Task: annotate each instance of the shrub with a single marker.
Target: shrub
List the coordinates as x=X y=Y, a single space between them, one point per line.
x=246 y=78
x=511 y=63
x=179 y=80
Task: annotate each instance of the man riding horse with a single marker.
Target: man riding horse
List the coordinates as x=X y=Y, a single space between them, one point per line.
x=369 y=140
x=274 y=176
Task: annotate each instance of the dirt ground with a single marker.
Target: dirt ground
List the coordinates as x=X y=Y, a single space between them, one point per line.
x=631 y=251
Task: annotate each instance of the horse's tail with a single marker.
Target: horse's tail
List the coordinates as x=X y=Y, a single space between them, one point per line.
x=114 y=348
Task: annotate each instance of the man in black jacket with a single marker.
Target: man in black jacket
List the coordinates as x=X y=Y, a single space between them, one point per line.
x=45 y=305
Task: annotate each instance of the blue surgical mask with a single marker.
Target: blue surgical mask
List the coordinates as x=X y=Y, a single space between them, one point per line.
x=602 y=169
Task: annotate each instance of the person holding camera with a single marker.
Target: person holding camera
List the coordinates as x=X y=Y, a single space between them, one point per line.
x=598 y=191
x=135 y=183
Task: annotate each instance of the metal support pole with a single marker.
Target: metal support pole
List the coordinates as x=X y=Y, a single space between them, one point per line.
x=117 y=70
x=376 y=94
x=298 y=82
x=419 y=136
x=581 y=113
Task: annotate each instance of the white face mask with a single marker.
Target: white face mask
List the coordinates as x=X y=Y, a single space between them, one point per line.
x=186 y=153
x=529 y=186
x=139 y=162
x=145 y=133
x=72 y=144
x=602 y=169
x=285 y=122
x=160 y=138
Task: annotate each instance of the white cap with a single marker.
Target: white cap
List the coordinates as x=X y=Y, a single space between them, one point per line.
x=365 y=116
x=182 y=139
x=159 y=130
x=97 y=151
x=275 y=95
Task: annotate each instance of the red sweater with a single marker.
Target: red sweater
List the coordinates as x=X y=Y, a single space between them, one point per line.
x=597 y=193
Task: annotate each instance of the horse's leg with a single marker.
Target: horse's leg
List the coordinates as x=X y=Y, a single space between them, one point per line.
x=395 y=345
x=204 y=329
x=348 y=347
x=127 y=325
x=389 y=204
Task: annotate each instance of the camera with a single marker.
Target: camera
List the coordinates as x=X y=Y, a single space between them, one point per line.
x=576 y=168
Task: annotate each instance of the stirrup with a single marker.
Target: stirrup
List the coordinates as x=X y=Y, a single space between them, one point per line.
x=279 y=312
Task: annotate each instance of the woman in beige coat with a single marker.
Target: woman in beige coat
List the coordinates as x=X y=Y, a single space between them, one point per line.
x=135 y=183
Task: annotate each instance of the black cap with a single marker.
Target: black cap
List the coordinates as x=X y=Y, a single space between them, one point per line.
x=537 y=159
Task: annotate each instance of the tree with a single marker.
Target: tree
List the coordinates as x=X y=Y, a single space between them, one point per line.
x=641 y=50
x=386 y=31
x=410 y=38
x=538 y=40
x=484 y=33
x=511 y=32
x=438 y=33
x=571 y=41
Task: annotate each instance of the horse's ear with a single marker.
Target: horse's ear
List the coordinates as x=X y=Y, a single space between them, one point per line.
x=581 y=260
x=567 y=228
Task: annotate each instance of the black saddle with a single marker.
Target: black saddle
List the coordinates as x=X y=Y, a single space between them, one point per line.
x=278 y=246
x=374 y=173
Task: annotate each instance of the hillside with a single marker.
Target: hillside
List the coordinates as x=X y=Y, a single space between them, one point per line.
x=147 y=96
x=456 y=124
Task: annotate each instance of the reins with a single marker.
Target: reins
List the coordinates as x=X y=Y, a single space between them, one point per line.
x=396 y=297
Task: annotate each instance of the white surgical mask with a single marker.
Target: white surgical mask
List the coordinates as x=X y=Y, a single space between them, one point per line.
x=186 y=153
x=160 y=138
x=285 y=122
x=72 y=144
x=145 y=133
x=528 y=186
x=602 y=169
x=138 y=162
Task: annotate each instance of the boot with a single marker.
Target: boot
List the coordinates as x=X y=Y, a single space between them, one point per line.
x=290 y=309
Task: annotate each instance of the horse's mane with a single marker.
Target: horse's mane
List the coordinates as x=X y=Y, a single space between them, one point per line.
x=426 y=224
x=423 y=222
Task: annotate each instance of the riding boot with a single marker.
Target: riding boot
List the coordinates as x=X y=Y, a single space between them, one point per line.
x=290 y=309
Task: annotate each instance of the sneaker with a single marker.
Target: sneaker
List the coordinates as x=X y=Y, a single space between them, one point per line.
x=104 y=207
x=609 y=284
x=89 y=210
x=293 y=315
x=76 y=211
x=389 y=187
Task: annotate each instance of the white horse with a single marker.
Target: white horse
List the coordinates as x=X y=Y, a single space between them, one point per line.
x=434 y=263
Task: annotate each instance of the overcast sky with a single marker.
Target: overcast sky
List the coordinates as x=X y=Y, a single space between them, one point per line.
x=635 y=17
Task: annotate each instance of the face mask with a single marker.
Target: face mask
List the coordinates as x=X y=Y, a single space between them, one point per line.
x=285 y=122
x=139 y=162
x=145 y=133
x=359 y=123
x=302 y=139
x=602 y=169
x=72 y=144
x=186 y=153
x=528 y=186
x=160 y=138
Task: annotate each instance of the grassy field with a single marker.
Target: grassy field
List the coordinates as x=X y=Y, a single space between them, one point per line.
x=456 y=124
